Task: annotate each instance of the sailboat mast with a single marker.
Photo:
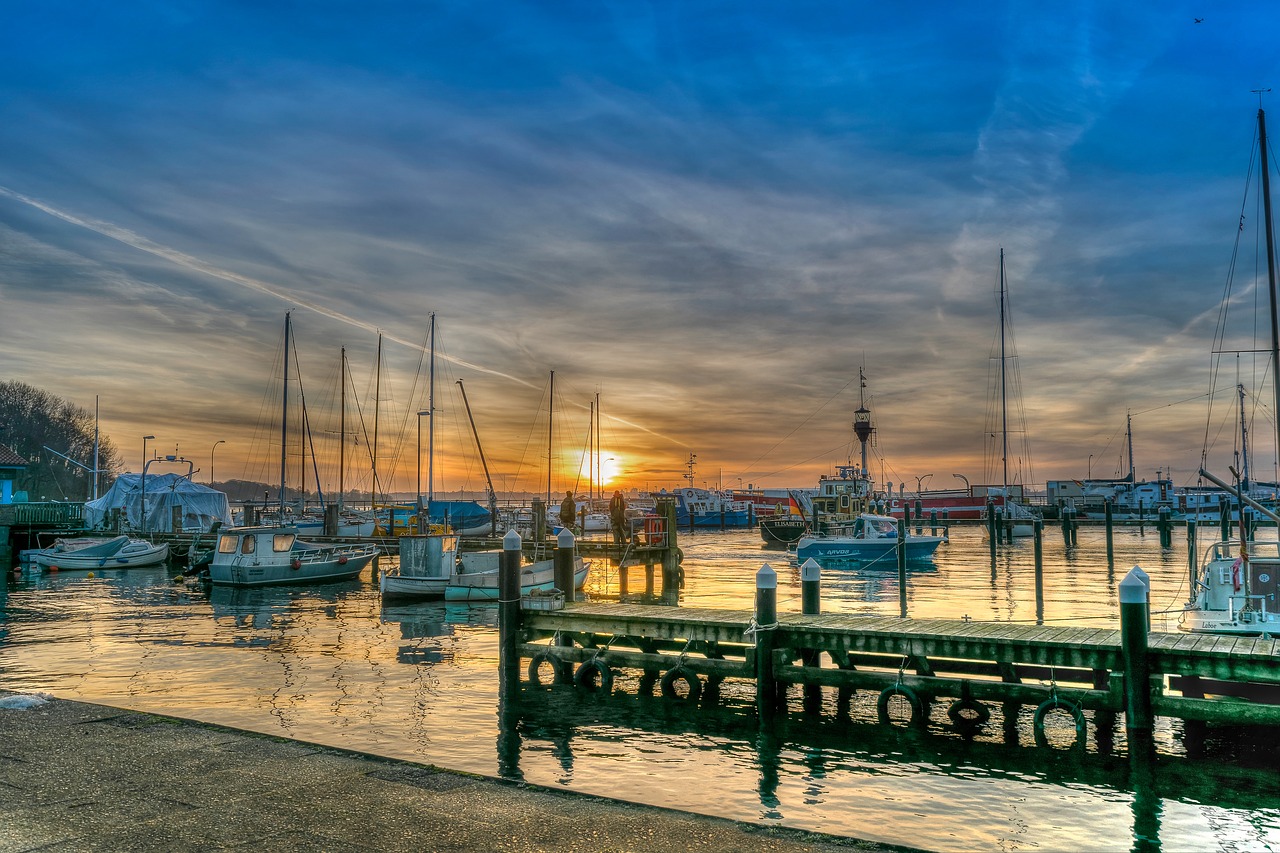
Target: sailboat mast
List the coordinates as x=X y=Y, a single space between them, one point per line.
x=1004 y=407
x=599 y=470
x=1128 y=429
x=342 y=425
x=1271 y=265
x=284 y=413
x=1244 y=442
x=431 y=416
x=551 y=411
x=377 y=404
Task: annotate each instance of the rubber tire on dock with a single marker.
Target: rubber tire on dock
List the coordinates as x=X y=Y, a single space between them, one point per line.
x=535 y=667
x=1055 y=704
x=585 y=675
x=919 y=717
x=680 y=673
x=981 y=713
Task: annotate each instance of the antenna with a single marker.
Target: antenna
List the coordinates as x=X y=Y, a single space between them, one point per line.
x=1260 y=93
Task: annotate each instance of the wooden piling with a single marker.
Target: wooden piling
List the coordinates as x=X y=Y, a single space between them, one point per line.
x=566 y=545
x=1110 y=521
x=993 y=532
x=1165 y=525
x=902 y=567
x=811 y=588
x=509 y=613
x=766 y=623
x=1039 y=556
x=1133 y=648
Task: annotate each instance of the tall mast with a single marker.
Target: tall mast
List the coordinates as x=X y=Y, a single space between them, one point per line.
x=1128 y=429
x=342 y=426
x=862 y=426
x=551 y=411
x=377 y=404
x=1244 y=443
x=599 y=470
x=431 y=416
x=95 y=449
x=1004 y=407
x=1271 y=265
x=591 y=450
x=284 y=413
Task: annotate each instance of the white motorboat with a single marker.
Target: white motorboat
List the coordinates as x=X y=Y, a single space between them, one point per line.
x=478 y=581
x=262 y=556
x=874 y=537
x=1236 y=591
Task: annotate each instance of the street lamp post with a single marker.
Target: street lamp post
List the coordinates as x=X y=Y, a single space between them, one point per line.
x=145 y=439
x=919 y=480
x=967 y=487
x=215 y=447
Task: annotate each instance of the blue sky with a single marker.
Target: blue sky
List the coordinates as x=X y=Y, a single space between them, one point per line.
x=711 y=214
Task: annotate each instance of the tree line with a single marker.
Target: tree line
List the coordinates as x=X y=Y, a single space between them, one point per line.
x=39 y=426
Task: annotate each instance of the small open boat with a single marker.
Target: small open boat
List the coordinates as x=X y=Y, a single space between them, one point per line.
x=482 y=585
x=119 y=552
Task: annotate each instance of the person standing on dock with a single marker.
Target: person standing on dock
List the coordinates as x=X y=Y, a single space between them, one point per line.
x=618 y=515
x=568 y=510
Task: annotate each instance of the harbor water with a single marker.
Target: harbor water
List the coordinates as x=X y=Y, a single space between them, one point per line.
x=333 y=665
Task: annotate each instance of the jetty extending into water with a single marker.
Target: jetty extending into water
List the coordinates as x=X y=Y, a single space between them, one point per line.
x=912 y=664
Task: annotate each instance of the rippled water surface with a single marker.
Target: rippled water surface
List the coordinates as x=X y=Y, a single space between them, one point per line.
x=331 y=664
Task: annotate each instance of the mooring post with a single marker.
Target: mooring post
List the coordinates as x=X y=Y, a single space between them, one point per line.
x=1039 y=552
x=539 y=520
x=1133 y=647
x=1106 y=510
x=1066 y=526
x=1224 y=517
x=1166 y=527
x=919 y=517
x=509 y=614
x=331 y=520
x=1075 y=527
x=902 y=568
x=766 y=623
x=666 y=509
x=566 y=543
x=811 y=605
x=810 y=588
x=993 y=532
x=1192 y=561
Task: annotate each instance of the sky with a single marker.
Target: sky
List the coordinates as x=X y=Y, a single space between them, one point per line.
x=708 y=215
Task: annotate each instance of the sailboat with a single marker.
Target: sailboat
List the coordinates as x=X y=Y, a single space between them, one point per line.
x=1016 y=514
x=1236 y=587
x=268 y=555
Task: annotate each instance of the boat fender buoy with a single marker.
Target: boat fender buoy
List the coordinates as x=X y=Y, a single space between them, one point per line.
x=689 y=677
x=535 y=668
x=679 y=556
x=1057 y=703
x=585 y=676
x=342 y=561
x=296 y=564
x=89 y=575
x=918 y=716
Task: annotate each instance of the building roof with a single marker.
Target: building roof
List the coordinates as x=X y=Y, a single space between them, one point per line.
x=10 y=459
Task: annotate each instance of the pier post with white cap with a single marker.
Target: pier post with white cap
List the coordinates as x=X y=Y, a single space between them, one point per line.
x=564 y=564
x=509 y=613
x=763 y=627
x=1134 y=593
x=902 y=568
x=811 y=605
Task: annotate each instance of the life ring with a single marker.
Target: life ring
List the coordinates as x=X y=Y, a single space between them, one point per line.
x=918 y=715
x=585 y=676
x=535 y=667
x=969 y=713
x=1057 y=703
x=689 y=677
x=296 y=564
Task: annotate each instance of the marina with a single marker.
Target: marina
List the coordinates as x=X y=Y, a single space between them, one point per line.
x=335 y=664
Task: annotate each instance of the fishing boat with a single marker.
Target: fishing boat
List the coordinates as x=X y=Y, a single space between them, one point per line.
x=428 y=564
x=119 y=552
x=874 y=536
x=478 y=579
x=266 y=556
x=1234 y=588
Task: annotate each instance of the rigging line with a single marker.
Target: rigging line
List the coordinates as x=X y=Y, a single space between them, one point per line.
x=798 y=426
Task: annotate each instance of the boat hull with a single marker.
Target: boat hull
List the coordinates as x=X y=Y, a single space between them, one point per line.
x=275 y=574
x=483 y=586
x=135 y=554
x=850 y=548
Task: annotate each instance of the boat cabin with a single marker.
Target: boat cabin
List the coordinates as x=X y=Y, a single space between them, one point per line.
x=259 y=541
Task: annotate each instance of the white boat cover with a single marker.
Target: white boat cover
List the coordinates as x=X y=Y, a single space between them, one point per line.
x=201 y=505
